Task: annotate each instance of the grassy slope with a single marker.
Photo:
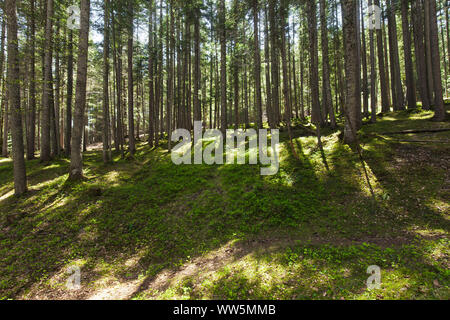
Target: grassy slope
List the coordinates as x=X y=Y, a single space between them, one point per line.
x=148 y=229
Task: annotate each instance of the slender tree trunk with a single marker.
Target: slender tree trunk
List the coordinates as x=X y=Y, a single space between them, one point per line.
x=269 y=111
x=20 y=179
x=57 y=96
x=351 y=69
x=257 y=66
x=46 y=99
x=275 y=68
x=69 y=97
x=4 y=104
x=418 y=26
x=409 y=71
x=326 y=84
x=373 y=75
x=314 y=64
x=151 y=81
x=439 y=112
x=106 y=124
x=32 y=108
x=428 y=53
x=76 y=163
x=396 y=82
x=131 y=133
x=197 y=75
x=385 y=104
x=223 y=66
x=365 y=84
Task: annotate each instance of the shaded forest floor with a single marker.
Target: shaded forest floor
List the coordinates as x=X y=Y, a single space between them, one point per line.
x=147 y=229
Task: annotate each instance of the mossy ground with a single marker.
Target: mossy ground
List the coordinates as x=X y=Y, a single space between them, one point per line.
x=147 y=229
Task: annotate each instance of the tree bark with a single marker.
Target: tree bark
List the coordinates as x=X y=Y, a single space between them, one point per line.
x=106 y=123
x=76 y=161
x=314 y=64
x=381 y=69
x=418 y=29
x=47 y=86
x=31 y=137
x=20 y=179
x=439 y=111
x=257 y=66
x=326 y=84
x=349 y=11
x=373 y=76
x=131 y=133
x=409 y=72
x=223 y=65
x=396 y=82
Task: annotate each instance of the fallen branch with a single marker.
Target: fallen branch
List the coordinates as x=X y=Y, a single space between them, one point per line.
x=417 y=131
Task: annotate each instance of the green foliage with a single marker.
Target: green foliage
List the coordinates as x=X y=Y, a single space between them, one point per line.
x=226 y=232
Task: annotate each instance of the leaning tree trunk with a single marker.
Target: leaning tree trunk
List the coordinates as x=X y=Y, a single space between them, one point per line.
x=20 y=178
x=76 y=161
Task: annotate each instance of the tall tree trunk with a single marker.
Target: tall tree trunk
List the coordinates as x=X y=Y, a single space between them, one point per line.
x=131 y=133
x=365 y=84
x=285 y=67
x=76 y=161
x=409 y=71
x=268 y=72
x=106 y=124
x=326 y=84
x=31 y=137
x=223 y=65
x=20 y=179
x=57 y=96
x=197 y=75
x=314 y=62
x=151 y=81
x=439 y=111
x=47 y=86
x=351 y=69
x=69 y=97
x=385 y=104
x=396 y=82
x=275 y=68
x=428 y=53
x=3 y=97
x=373 y=75
x=170 y=77
x=418 y=27
x=257 y=66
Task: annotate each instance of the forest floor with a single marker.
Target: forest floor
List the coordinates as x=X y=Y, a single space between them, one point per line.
x=147 y=229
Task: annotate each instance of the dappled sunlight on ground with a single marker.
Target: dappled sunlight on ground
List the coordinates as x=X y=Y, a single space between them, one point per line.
x=145 y=228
